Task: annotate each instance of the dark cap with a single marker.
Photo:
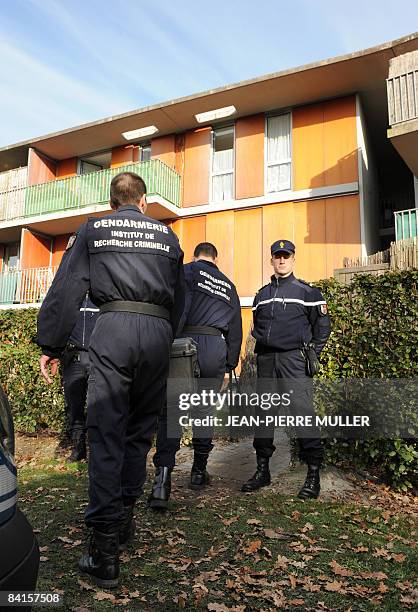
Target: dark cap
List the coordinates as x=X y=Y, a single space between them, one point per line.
x=282 y=245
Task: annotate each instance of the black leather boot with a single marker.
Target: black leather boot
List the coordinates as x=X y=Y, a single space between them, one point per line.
x=199 y=476
x=127 y=528
x=261 y=478
x=161 y=489
x=101 y=561
x=312 y=484
x=79 y=451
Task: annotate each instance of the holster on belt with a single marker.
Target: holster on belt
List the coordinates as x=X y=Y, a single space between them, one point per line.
x=311 y=358
x=69 y=353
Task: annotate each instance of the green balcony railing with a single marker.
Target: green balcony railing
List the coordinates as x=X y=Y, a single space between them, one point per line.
x=86 y=190
x=406 y=225
x=28 y=286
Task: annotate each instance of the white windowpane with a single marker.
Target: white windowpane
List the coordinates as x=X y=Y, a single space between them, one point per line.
x=222 y=187
x=278 y=178
x=278 y=139
x=223 y=161
x=223 y=164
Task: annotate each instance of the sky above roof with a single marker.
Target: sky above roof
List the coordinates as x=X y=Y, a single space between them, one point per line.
x=66 y=63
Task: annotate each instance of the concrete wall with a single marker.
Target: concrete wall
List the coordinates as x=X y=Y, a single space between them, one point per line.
x=369 y=189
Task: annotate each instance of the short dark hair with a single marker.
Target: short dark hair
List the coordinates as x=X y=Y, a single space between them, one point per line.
x=127 y=188
x=206 y=248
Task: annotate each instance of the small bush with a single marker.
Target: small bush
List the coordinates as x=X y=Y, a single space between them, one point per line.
x=35 y=404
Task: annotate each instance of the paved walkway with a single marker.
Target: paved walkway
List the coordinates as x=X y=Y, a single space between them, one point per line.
x=232 y=463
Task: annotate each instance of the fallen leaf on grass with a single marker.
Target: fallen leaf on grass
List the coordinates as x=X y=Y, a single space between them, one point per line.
x=382 y=588
x=228 y=522
x=181 y=599
x=85 y=585
x=252 y=547
x=278 y=599
x=373 y=576
x=382 y=552
x=399 y=558
x=292 y=579
x=214 y=607
x=339 y=570
x=403 y=586
x=102 y=595
x=309 y=586
x=208 y=576
x=64 y=539
x=307 y=527
x=275 y=534
x=335 y=587
x=43 y=558
x=282 y=562
x=410 y=599
x=296 y=602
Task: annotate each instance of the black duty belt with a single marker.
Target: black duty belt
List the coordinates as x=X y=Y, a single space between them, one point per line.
x=139 y=307
x=204 y=330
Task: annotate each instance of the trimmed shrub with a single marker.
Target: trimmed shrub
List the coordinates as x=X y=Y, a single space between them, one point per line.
x=35 y=404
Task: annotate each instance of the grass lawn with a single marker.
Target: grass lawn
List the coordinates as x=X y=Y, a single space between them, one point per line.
x=226 y=551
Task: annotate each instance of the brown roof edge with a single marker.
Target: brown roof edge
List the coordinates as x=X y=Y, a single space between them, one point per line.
x=162 y=105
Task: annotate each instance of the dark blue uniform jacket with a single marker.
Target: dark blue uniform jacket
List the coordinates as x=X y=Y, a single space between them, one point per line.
x=211 y=299
x=122 y=256
x=289 y=313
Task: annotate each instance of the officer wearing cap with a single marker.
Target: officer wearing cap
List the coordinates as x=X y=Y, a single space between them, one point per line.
x=289 y=317
x=132 y=267
x=75 y=373
x=212 y=317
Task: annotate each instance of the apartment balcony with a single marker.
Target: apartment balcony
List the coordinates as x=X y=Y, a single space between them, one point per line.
x=24 y=287
x=406 y=224
x=402 y=90
x=81 y=192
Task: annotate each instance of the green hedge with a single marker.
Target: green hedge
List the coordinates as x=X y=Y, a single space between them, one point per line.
x=374 y=335
x=35 y=405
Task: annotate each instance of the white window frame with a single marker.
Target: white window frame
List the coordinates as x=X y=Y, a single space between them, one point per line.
x=267 y=165
x=211 y=173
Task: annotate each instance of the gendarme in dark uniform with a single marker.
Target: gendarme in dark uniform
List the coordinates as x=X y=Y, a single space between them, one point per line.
x=75 y=363
x=132 y=267
x=289 y=315
x=212 y=317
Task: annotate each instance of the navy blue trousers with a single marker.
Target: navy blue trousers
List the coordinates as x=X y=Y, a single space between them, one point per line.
x=289 y=368
x=75 y=374
x=129 y=356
